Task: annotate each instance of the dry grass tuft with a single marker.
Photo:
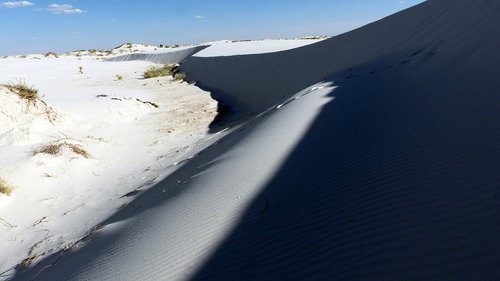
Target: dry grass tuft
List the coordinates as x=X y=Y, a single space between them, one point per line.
x=52 y=54
x=179 y=76
x=5 y=188
x=25 y=92
x=55 y=149
x=78 y=150
x=166 y=70
x=52 y=149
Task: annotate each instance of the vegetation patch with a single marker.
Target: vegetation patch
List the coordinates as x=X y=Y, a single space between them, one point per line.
x=25 y=92
x=5 y=188
x=78 y=150
x=56 y=149
x=165 y=70
x=51 y=54
x=179 y=76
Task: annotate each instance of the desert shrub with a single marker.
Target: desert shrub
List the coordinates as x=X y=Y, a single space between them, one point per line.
x=180 y=76
x=5 y=188
x=25 y=92
x=51 y=54
x=166 y=70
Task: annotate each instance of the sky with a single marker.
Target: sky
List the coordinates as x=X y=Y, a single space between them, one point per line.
x=39 y=26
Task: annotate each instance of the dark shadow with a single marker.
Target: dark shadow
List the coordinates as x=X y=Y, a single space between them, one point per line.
x=226 y=115
x=397 y=179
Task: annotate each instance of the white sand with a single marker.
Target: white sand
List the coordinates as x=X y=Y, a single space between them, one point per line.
x=57 y=200
x=369 y=156
x=230 y=48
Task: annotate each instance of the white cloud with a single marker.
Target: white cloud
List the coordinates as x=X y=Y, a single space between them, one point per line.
x=16 y=4
x=200 y=17
x=63 y=9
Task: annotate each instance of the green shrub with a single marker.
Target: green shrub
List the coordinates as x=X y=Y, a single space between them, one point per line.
x=166 y=70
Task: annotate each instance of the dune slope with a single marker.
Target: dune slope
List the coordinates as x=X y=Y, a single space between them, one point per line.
x=369 y=156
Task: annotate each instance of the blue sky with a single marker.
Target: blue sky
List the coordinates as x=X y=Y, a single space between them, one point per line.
x=38 y=26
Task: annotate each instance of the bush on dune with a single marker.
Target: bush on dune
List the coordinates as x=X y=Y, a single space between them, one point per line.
x=179 y=76
x=52 y=54
x=165 y=70
x=25 y=92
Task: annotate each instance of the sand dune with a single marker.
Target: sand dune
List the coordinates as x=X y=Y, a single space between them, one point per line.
x=176 y=55
x=373 y=155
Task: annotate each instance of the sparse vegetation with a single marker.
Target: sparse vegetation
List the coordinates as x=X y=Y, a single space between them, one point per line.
x=52 y=149
x=30 y=95
x=49 y=54
x=180 y=76
x=25 y=92
x=166 y=70
x=78 y=150
x=5 y=188
x=56 y=148
x=119 y=77
x=80 y=68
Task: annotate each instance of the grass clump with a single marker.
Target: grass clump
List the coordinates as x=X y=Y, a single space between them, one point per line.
x=5 y=188
x=78 y=150
x=25 y=92
x=165 y=70
x=179 y=76
x=52 y=149
x=51 y=54
x=56 y=148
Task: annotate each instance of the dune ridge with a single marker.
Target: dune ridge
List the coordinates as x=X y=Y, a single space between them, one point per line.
x=163 y=57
